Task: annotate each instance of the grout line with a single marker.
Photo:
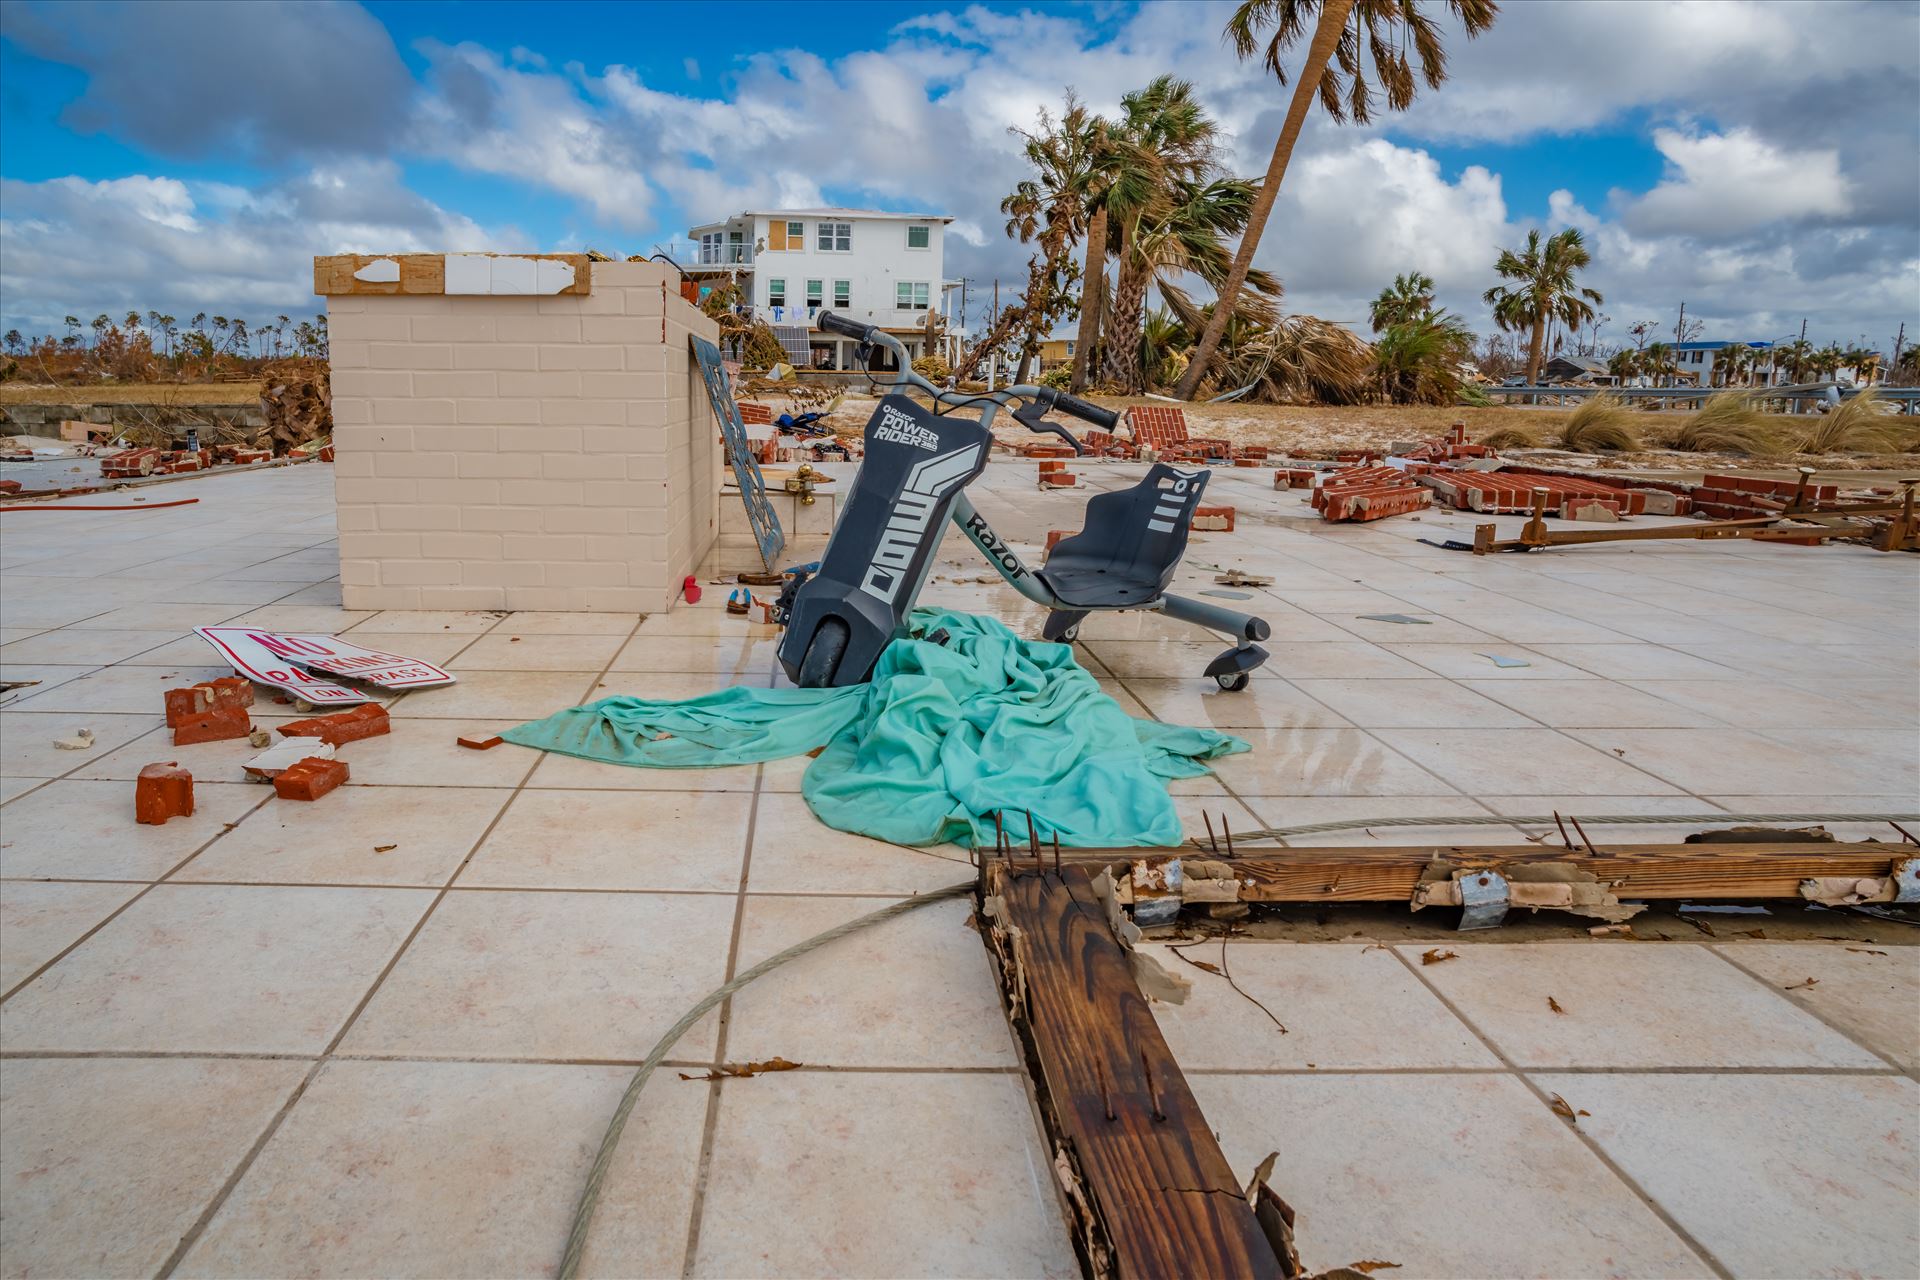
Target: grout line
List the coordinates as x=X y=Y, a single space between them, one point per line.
x=1586 y=1139
x=1555 y=1070
x=193 y=1233
x=1815 y=1014
x=696 y=1212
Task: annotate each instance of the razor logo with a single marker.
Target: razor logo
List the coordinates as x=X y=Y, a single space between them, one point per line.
x=989 y=541
x=913 y=513
x=1170 y=505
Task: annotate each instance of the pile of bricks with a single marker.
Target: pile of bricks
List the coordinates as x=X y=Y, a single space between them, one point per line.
x=211 y=711
x=1212 y=520
x=1054 y=474
x=133 y=464
x=1369 y=493
x=1102 y=444
x=1448 y=448
x=1502 y=492
x=1740 y=498
x=1163 y=428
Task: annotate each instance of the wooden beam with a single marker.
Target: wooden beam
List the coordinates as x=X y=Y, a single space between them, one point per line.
x=1640 y=871
x=1150 y=1190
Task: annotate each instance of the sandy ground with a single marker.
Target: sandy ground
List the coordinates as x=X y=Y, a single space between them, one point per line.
x=1319 y=431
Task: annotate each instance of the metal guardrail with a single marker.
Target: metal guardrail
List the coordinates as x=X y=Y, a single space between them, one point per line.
x=1797 y=398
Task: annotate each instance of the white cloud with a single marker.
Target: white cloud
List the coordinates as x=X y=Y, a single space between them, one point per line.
x=69 y=246
x=1719 y=184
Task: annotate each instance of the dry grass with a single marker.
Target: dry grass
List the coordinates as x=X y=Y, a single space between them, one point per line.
x=1603 y=424
x=1729 y=422
x=1859 y=425
x=134 y=393
x=1512 y=436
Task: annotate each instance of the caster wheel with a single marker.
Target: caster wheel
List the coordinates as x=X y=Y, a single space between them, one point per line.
x=1071 y=634
x=1235 y=682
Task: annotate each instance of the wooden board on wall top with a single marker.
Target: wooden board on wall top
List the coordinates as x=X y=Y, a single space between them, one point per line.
x=513 y=274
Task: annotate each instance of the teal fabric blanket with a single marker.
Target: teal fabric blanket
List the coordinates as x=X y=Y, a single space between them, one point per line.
x=940 y=738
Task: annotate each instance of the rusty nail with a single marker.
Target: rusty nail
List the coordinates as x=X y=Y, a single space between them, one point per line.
x=1584 y=839
x=1153 y=1094
x=1056 y=853
x=1906 y=834
x=1211 y=842
x=1033 y=842
x=1226 y=829
x=1565 y=839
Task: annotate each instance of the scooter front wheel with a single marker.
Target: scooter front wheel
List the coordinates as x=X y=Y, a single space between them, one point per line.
x=824 y=654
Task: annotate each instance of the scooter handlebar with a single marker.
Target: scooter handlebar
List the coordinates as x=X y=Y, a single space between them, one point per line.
x=845 y=327
x=1086 y=411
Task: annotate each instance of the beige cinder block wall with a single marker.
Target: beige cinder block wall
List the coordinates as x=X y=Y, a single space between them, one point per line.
x=523 y=452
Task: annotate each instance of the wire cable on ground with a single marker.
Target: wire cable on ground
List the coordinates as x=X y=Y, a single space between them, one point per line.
x=1614 y=820
x=590 y=1195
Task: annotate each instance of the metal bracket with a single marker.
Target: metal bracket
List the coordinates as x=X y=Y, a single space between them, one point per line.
x=1483 y=899
x=1906 y=880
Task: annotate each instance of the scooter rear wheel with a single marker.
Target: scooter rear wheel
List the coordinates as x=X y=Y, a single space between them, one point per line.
x=824 y=654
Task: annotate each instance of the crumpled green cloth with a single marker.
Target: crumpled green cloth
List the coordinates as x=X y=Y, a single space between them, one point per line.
x=925 y=753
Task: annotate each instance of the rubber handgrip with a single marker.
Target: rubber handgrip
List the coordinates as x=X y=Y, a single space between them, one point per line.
x=1106 y=419
x=838 y=324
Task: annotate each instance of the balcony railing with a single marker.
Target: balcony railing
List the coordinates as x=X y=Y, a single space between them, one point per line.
x=693 y=253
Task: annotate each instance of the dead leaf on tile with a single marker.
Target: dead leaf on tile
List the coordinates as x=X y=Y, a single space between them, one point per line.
x=1866 y=951
x=1373 y=946
x=1436 y=955
x=744 y=1070
x=1754 y=933
x=1810 y=982
x=1554 y=1005
x=513 y=639
x=385 y=848
x=1371 y=1266
x=1562 y=1108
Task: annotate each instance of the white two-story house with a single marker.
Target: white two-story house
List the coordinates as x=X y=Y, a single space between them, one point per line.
x=791 y=264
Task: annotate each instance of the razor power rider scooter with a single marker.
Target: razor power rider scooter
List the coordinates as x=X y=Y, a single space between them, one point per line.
x=913 y=481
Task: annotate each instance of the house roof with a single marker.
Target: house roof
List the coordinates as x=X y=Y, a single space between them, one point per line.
x=1716 y=346
x=1587 y=363
x=831 y=212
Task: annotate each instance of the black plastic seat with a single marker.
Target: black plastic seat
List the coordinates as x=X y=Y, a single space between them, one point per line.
x=1133 y=540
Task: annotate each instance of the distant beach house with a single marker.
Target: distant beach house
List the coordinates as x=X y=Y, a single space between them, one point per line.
x=879 y=268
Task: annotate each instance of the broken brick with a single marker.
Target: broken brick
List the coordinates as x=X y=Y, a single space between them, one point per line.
x=9 y=486
x=196 y=700
x=1054 y=535
x=1212 y=519
x=481 y=744
x=310 y=779
x=368 y=721
x=162 y=791
x=223 y=722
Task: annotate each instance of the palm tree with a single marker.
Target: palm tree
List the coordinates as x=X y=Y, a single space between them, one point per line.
x=1796 y=358
x=1827 y=361
x=1865 y=363
x=1545 y=291
x=1123 y=175
x=1624 y=365
x=166 y=323
x=1735 y=360
x=1417 y=360
x=1409 y=297
x=1340 y=27
x=1166 y=121
x=1657 y=362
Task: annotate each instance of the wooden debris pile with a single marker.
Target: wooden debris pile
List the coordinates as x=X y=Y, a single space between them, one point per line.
x=298 y=400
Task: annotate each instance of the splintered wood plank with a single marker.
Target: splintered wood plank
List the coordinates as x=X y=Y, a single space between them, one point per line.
x=1159 y=1196
x=1697 y=871
x=347 y=274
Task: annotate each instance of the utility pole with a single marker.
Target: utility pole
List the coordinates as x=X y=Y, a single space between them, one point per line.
x=993 y=357
x=1803 y=328
x=1899 y=341
x=1680 y=328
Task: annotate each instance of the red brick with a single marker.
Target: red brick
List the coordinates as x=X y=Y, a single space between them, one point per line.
x=1295 y=478
x=1054 y=535
x=368 y=721
x=162 y=791
x=198 y=699
x=1058 y=479
x=218 y=725
x=309 y=779
x=9 y=486
x=1201 y=513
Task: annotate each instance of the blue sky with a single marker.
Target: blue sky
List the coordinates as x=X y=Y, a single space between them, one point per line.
x=162 y=156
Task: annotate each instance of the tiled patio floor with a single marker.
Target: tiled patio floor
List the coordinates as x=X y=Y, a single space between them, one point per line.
x=254 y=1042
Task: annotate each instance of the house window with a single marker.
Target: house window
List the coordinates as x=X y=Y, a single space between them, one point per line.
x=736 y=246
x=813 y=293
x=843 y=294
x=835 y=237
x=797 y=234
x=776 y=293
x=710 y=248
x=908 y=296
x=918 y=237
x=787 y=235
